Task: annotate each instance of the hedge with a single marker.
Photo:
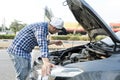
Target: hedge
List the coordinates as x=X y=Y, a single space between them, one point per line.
x=74 y=37
x=59 y=37
x=7 y=36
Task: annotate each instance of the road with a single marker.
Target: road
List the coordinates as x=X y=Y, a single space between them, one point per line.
x=6 y=67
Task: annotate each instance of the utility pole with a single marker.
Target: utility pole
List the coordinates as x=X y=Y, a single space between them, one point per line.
x=3 y=25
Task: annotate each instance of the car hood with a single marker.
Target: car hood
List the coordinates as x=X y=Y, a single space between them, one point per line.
x=90 y=20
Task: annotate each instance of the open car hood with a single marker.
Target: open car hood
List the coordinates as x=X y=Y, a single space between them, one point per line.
x=90 y=20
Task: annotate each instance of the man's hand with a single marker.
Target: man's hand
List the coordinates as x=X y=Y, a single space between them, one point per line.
x=46 y=67
x=58 y=43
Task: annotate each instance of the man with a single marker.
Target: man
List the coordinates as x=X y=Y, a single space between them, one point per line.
x=29 y=37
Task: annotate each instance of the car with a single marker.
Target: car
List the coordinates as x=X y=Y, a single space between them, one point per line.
x=96 y=60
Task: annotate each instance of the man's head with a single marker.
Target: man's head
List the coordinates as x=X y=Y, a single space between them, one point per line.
x=56 y=24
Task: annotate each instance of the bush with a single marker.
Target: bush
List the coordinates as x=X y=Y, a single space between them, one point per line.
x=69 y=37
x=74 y=37
x=60 y=37
x=7 y=36
x=84 y=38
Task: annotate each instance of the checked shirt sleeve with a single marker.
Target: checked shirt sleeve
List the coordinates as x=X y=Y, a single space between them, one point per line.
x=41 y=36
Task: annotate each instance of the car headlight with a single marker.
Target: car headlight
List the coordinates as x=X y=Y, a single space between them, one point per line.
x=60 y=71
x=65 y=72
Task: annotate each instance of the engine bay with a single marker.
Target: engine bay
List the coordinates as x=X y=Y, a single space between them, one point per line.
x=83 y=53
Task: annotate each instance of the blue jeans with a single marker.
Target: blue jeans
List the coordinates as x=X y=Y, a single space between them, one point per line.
x=22 y=66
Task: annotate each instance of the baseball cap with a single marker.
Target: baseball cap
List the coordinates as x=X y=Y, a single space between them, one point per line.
x=57 y=22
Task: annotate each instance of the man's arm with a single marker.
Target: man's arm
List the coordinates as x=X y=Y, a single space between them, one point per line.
x=41 y=36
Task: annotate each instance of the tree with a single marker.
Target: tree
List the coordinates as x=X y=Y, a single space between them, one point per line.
x=0 y=28
x=16 y=26
x=5 y=28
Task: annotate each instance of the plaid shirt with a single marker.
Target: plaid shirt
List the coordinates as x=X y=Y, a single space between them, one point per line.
x=29 y=37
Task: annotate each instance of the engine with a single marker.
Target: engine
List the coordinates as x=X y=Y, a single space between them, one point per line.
x=89 y=52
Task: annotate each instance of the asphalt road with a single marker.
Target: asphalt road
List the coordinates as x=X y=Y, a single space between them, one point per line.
x=6 y=67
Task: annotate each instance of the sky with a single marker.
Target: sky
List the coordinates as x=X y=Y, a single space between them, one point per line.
x=30 y=11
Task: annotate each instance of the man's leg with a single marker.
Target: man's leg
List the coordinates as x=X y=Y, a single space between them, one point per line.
x=22 y=67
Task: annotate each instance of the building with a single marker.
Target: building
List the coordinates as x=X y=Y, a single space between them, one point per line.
x=74 y=27
x=115 y=26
